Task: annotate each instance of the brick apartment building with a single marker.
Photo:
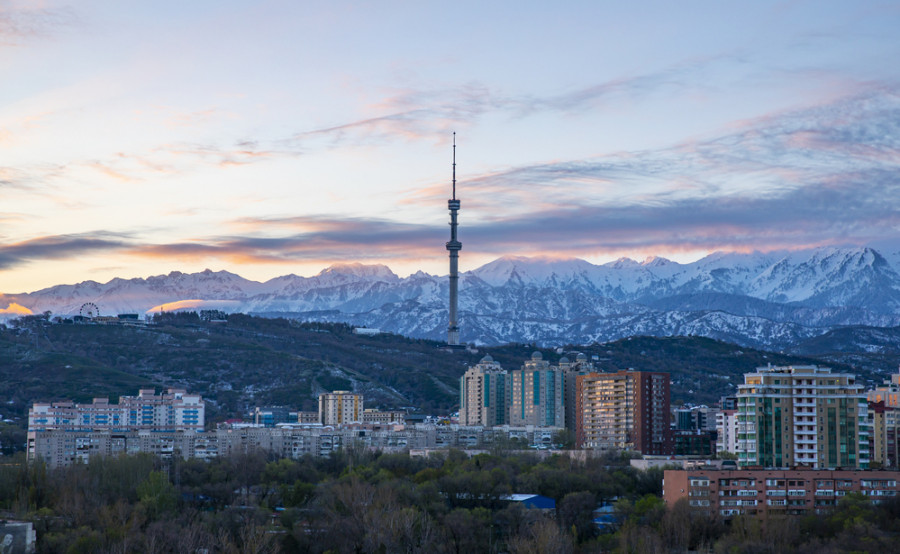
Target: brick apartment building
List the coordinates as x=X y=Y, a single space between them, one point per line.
x=624 y=410
x=767 y=492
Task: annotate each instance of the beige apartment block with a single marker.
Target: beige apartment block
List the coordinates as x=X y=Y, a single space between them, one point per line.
x=483 y=398
x=340 y=407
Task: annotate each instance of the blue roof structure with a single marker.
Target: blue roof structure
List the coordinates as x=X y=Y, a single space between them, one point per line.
x=532 y=501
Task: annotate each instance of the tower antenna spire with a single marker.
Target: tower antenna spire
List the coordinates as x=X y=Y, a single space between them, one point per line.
x=453 y=246
x=454 y=165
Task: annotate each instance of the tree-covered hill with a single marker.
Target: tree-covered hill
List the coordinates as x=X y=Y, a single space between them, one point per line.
x=249 y=361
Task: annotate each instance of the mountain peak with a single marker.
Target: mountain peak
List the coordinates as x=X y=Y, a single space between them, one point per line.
x=656 y=261
x=369 y=272
x=623 y=263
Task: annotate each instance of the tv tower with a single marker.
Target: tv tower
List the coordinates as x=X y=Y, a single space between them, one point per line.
x=453 y=246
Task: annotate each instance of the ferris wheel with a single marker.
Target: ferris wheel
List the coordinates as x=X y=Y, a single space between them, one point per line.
x=89 y=310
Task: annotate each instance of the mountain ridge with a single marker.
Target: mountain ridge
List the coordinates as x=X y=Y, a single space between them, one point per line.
x=769 y=300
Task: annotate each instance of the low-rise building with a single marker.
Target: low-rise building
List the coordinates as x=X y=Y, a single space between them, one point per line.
x=384 y=417
x=767 y=492
x=66 y=448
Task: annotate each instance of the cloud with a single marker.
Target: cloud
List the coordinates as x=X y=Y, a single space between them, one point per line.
x=426 y=114
x=828 y=174
x=823 y=213
x=242 y=153
x=58 y=247
x=315 y=238
x=18 y=23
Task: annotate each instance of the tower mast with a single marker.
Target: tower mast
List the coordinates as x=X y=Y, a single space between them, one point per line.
x=453 y=246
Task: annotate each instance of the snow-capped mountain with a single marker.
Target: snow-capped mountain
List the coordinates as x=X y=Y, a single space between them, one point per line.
x=760 y=299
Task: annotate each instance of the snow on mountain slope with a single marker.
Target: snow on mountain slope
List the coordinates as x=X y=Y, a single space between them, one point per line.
x=764 y=298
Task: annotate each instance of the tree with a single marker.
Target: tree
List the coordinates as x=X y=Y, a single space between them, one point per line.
x=576 y=515
x=157 y=495
x=543 y=537
x=468 y=530
x=564 y=439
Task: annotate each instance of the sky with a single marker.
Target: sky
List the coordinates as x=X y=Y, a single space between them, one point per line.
x=269 y=138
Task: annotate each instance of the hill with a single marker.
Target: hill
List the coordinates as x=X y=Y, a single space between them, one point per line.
x=251 y=361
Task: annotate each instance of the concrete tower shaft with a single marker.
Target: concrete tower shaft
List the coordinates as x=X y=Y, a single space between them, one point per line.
x=453 y=246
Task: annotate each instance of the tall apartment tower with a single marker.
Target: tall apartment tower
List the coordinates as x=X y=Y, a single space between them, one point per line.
x=624 y=410
x=453 y=246
x=339 y=407
x=884 y=438
x=571 y=370
x=483 y=398
x=726 y=431
x=802 y=416
x=536 y=394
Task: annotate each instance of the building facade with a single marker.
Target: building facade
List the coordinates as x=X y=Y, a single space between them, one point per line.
x=340 y=407
x=571 y=371
x=536 y=394
x=483 y=394
x=889 y=392
x=66 y=448
x=884 y=437
x=770 y=492
x=383 y=417
x=626 y=410
x=726 y=431
x=174 y=410
x=802 y=416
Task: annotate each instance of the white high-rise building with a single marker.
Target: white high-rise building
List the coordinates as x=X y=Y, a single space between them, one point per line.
x=174 y=410
x=726 y=431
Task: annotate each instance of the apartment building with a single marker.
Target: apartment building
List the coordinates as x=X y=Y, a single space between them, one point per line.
x=340 y=407
x=884 y=438
x=726 y=431
x=66 y=448
x=483 y=394
x=802 y=416
x=536 y=394
x=767 y=492
x=172 y=410
x=889 y=392
x=624 y=410
x=571 y=370
x=383 y=417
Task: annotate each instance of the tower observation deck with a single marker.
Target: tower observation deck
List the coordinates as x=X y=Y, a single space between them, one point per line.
x=453 y=246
